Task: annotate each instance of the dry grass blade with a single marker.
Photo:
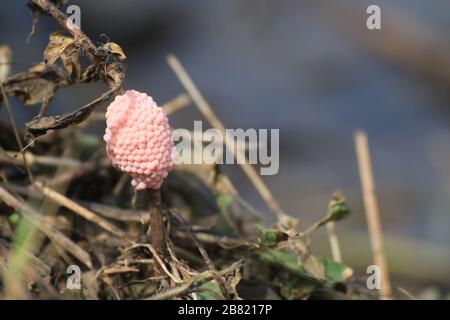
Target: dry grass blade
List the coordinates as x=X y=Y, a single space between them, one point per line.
x=117 y=213
x=5 y=62
x=406 y=293
x=178 y=103
x=10 y=157
x=158 y=260
x=81 y=211
x=35 y=273
x=372 y=211
x=54 y=235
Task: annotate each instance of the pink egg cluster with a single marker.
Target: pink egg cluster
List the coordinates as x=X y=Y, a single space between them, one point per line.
x=138 y=139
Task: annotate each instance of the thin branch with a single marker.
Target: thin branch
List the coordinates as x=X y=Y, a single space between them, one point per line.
x=157 y=258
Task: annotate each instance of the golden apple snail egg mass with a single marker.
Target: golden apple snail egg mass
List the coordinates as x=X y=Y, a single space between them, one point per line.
x=138 y=139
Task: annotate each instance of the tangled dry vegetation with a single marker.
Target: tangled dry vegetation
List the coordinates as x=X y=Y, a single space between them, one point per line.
x=63 y=204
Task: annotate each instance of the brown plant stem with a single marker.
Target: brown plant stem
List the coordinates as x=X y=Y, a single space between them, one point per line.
x=50 y=9
x=156 y=222
x=114 y=80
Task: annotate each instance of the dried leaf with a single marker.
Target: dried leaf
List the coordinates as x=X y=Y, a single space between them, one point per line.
x=91 y=73
x=40 y=125
x=56 y=46
x=115 y=49
x=36 y=85
x=38 y=67
x=313 y=267
x=116 y=72
x=71 y=62
x=235 y=278
x=65 y=48
x=210 y=291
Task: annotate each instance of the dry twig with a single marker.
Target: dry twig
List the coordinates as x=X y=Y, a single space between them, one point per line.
x=195 y=282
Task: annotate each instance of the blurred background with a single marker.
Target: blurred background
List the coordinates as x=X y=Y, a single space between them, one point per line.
x=313 y=70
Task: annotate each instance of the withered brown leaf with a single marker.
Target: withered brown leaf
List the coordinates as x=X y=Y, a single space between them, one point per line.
x=40 y=125
x=36 y=85
x=115 y=49
x=67 y=49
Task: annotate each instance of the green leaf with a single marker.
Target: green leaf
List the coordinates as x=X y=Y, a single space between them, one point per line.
x=298 y=288
x=297 y=284
x=282 y=259
x=14 y=218
x=138 y=288
x=224 y=201
x=337 y=208
x=210 y=291
x=23 y=232
x=225 y=224
x=335 y=271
